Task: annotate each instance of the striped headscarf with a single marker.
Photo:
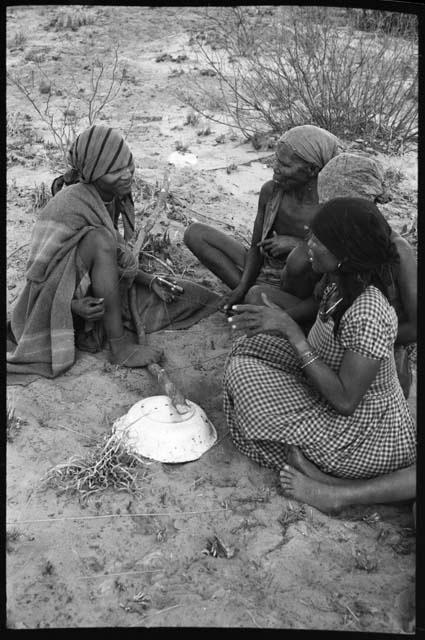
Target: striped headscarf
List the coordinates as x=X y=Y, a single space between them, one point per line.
x=94 y=153
x=312 y=144
x=98 y=151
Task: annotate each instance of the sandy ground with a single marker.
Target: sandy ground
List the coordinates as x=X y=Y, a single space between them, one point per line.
x=108 y=563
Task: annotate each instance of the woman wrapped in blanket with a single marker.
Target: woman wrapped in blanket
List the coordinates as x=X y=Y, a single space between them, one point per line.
x=332 y=400
x=80 y=269
x=74 y=251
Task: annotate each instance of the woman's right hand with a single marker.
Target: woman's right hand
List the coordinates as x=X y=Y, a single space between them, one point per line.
x=88 y=308
x=228 y=300
x=268 y=318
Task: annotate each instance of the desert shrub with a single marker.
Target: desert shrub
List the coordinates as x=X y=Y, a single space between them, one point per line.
x=40 y=195
x=19 y=124
x=18 y=40
x=72 y=18
x=192 y=119
x=397 y=24
x=304 y=66
x=83 y=107
x=13 y=422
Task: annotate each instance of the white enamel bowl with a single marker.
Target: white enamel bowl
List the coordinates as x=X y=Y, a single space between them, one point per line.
x=153 y=428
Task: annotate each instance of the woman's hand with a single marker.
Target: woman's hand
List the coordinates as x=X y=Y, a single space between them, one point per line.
x=88 y=308
x=162 y=292
x=230 y=299
x=279 y=245
x=252 y=319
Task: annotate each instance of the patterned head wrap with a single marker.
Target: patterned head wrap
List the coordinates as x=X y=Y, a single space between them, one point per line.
x=351 y=175
x=98 y=151
x=312 y=144
x=356 y=232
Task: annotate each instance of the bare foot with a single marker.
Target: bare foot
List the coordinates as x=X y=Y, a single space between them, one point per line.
x=135 y=355
x=298 y=460
x=308 y=490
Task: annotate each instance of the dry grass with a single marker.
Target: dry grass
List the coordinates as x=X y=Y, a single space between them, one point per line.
x=40 y=196
x=12 y=536
x=72 y=18
x=110 y=465
x=13 y=422
x=290 y=517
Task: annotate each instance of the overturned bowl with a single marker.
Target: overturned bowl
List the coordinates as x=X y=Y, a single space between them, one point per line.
x=153 y=428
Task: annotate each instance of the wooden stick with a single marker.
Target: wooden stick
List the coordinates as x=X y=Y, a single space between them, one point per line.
x=173 y=514
x=177 y=398
x=163 y=194
x=137 y=321
x=139 y=242
x=241 y=164
x=17 y=249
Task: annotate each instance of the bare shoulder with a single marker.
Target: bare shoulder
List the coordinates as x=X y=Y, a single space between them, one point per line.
x=266 y=190
x=297 y=261
x=403 y=246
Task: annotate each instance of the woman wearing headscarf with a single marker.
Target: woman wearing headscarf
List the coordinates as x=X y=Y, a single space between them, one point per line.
x=349 y=174
x=286 y=204
x=334 y=394
x=80 y=269
x=73 y=247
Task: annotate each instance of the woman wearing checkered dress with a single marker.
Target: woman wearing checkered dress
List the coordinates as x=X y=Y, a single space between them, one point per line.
x=334 y=399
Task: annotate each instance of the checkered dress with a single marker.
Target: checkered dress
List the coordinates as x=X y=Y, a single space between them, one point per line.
x=270 y=403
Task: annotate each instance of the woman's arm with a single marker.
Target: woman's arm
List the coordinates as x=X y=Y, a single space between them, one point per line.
x=298 y=278
x=304 y=311
x=407 y=284
x=343 y=390
x=253 y=258
x=144 y=278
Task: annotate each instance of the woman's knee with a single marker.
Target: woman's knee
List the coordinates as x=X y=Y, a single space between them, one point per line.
x=253 y=295
x=194 y=234
x=97 y=243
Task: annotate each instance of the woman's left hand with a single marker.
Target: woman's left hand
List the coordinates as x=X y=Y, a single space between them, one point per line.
x=252 y=319
x=162 y=292
x=279 y=245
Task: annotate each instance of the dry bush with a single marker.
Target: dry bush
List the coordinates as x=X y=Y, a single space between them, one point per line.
x=18 y=40
x=19 y=125
x=72 y=18
x=40 y=196
x=83 y=108
x=13 y=422
x=304 y=66
x=403 y=25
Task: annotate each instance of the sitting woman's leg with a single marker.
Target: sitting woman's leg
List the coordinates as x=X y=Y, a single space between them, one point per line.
x=98 y=252
x=274 y=294
x=306 y=483
x=220 y=253
x=305 y=309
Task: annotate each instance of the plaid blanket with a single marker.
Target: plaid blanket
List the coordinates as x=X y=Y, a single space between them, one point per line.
x=41 y=320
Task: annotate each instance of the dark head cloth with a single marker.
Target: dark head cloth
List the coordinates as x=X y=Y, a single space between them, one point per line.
x=356 y=232
x=98 y=151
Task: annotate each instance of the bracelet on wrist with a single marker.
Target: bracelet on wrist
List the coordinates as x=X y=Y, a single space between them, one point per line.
x=306 y=355
x=310 y=361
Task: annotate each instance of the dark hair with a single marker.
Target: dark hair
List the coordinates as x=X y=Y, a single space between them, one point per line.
x=356 y=232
